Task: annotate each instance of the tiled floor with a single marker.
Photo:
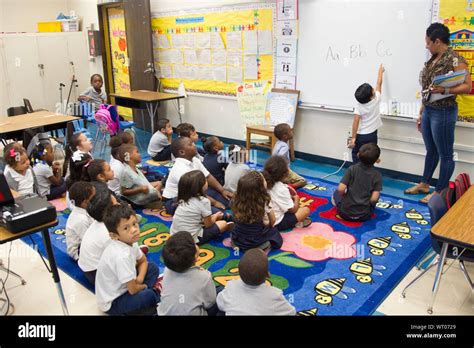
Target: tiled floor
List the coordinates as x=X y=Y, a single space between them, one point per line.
x=39 y=296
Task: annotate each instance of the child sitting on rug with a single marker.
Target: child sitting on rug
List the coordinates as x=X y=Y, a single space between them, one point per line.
x=250 y=295
x=79 y=220
x=126 y=283
x=182 y=279
x=188 y=130
x=184 y=150
x=359 y=189
x=286 y=205
x=18 y=173
x=284 y=133
x=193 y=213
x=159 y=147
x=236 y=168
x=214 y=161
x=96 y=237
x=80 y=146
x=115 y=164
x=48 y=173
x=254 y=219
x=134 y=184
x=100 y=171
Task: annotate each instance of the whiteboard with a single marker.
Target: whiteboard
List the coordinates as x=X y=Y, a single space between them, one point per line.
x=342 y=43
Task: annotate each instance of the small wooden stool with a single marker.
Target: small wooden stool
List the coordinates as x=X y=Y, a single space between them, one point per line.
x=266 y=131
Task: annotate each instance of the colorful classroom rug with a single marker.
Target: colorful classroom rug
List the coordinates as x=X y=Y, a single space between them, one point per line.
x=332 y=267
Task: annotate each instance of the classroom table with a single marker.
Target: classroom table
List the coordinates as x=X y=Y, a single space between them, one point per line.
x=48 y=119
x=455 y=228
x=268 y=132
x=6 y=236
x=144 y=99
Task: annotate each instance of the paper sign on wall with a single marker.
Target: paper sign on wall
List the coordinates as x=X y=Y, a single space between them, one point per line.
x=287 y=9
x=285 y=82
x=287 y=28
x=286 y=66
x=286 y=47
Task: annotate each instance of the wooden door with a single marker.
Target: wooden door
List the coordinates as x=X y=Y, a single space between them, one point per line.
x=128 y=50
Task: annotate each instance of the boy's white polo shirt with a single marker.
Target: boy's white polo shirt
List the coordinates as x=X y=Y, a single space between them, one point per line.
x=181 y=166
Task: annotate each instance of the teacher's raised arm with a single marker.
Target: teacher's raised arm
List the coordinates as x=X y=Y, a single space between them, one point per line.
x=438 y=116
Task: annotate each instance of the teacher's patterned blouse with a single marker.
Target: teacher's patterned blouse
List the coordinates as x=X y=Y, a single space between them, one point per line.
x=447 y=62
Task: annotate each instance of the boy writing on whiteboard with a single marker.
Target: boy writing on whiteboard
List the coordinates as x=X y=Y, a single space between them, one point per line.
x=284 y=134
x=366 y=115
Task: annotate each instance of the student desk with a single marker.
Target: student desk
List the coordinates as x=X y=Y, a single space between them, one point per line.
x=6 y=236
x=49 y=120
x=455 y=228
x=143 y=99
x=267 y=131
x=10 y=126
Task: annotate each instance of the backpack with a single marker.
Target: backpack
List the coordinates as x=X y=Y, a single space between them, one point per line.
x=104 y=115
x=455 y=189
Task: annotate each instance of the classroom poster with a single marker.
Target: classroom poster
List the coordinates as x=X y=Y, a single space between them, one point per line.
x=118 y=50
x=212 y=51
x=459 y=17
x=252 y=101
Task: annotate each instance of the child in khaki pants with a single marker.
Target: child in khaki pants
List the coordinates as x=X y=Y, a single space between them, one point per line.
x=284 y=133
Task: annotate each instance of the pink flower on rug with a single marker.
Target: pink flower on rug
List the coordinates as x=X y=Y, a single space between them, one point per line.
x=60 y=203
x=159 y=213
x=319 y=242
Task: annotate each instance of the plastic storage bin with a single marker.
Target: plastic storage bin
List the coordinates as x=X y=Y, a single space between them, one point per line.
x=49 y=27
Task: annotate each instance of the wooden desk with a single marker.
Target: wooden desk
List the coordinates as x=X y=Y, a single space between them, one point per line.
x=455 y=228
x=6 y=236
x=267 y=131
x=34 y=120
x=144 y=99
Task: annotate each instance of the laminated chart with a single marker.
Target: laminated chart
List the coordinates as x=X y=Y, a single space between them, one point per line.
x=214 y=50
x=458 y=16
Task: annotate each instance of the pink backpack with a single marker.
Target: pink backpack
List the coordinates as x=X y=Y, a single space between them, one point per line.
x=103 y=116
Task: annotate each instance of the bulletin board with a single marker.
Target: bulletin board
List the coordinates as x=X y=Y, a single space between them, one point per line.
x=212 y=51
x=119 y=55
x=458 y=16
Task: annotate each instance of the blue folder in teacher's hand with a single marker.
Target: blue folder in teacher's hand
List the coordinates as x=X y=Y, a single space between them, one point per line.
x=451 y=79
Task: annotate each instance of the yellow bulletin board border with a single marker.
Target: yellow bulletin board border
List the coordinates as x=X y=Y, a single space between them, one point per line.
x=225 y=19
x=458 y=16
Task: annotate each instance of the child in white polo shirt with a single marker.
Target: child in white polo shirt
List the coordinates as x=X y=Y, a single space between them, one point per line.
x=250 y=295
x=18 y=173
x=367 y=119
x=184 y=150
x=182 y=279
x=126 y=283
x=79 y=220
x=96 y=237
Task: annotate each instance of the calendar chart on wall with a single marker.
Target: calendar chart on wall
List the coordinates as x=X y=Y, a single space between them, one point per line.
x=212 y=51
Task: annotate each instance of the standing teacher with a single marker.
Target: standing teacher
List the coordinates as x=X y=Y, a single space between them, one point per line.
x=437 y=119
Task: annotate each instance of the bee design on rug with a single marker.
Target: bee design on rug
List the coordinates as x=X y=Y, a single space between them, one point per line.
x=403 y=230
x=329 y=288
x=389 y=205
x=307 y=312
x=60 y=231
x=314 y=187
x=364 y=269
x=378 y=245
x=413 y=214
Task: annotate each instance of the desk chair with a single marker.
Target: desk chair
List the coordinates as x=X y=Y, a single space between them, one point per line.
x=54 y=133
x=438 y=208
x=16 y=136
